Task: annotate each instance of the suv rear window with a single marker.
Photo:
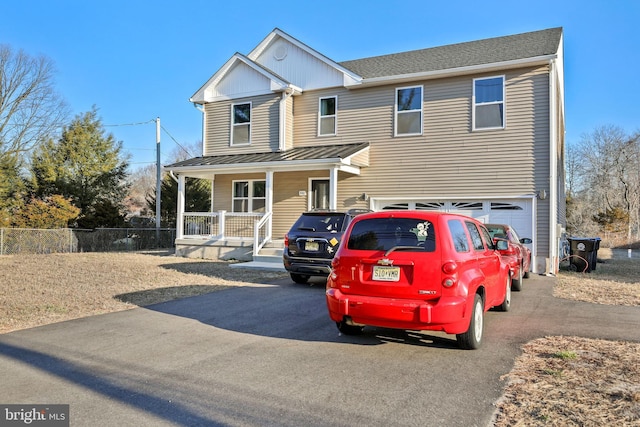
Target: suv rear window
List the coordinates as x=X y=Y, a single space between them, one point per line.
x=382 y=234
x=326 y=222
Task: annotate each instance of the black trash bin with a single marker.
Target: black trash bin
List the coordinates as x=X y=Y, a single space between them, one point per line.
x=583 y=253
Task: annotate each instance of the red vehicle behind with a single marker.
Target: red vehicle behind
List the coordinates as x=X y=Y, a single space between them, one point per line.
x=417 y=270
x=518 y=255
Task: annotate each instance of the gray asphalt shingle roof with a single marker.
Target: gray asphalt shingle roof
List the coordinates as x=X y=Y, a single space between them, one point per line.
x=340 y=151
x=479 y=52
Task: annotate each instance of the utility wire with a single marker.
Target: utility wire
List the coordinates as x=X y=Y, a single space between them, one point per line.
x=174 y=140
x=132 y=124
x=161 y=126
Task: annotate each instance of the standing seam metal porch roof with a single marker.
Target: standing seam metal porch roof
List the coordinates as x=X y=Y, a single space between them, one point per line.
x=325 y=153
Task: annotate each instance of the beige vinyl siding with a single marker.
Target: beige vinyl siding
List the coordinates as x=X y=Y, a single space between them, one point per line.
x=354 y=123
x=223 y=189
x=288 y=204
x=448 y=160
x=265 y=113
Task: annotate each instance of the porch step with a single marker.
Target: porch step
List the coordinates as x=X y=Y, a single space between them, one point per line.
x=269 y=258
x=277 y=252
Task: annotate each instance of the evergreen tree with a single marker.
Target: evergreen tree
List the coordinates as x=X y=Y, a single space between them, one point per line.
x=86 y=166
x=52 y=212
x=12 y=188
x=197 y=198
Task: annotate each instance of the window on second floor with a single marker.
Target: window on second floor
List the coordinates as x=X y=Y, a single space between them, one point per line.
x=249 y=196
x=408 y=111
x=241 y=124
x=327 y=116
x=488 y=103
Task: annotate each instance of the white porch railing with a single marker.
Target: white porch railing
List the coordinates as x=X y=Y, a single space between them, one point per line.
x=223 y=225
x=261 y=233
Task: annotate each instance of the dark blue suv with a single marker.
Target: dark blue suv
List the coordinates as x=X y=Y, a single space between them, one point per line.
x=312 y=242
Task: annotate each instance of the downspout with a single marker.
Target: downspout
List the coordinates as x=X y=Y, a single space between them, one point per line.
x=283 y=119
x=204 y=120
x=553 y=157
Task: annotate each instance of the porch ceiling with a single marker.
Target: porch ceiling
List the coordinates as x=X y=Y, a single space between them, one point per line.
x=341 y=156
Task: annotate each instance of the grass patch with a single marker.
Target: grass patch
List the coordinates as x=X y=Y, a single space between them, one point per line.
x=565 y=354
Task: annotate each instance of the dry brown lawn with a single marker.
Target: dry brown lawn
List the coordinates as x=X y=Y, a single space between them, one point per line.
x=572 y=381
x=40 y=289
x=557 y=381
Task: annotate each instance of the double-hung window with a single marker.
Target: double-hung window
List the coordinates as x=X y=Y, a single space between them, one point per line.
x=488 y=103
x=327 y=116
x=249 y=196
x=241 y=124
x=408 y=111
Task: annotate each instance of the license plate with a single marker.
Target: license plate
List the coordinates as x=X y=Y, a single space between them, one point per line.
x=312 y=246
x=386 y=274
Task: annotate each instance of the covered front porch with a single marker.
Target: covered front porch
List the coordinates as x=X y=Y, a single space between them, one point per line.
x=240 y=229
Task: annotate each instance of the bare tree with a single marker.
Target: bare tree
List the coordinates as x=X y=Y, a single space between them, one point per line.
x=30 y=109
x=604 y=176
x=143 y=180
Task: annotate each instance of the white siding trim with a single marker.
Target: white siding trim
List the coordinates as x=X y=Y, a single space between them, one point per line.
x=333 y=188
x=553 y=172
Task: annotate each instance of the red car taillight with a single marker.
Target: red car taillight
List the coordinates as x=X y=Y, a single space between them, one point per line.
x=333 y=276
x=449 y=269
x=286 y=240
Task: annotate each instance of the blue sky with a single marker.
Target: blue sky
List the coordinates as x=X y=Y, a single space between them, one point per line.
x=136 y=60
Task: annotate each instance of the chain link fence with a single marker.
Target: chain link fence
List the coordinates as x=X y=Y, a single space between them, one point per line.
x=45 y=241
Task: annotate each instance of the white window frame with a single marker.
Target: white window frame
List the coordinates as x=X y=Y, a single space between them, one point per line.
x=397 y=113
x=328 y=116
x=477 y=104
x=233 y=124
x=250 y=198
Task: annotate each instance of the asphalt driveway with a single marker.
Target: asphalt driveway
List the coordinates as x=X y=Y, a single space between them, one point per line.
x=268 y=355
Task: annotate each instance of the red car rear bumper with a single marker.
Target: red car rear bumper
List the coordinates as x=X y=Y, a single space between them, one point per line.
x=448 y=314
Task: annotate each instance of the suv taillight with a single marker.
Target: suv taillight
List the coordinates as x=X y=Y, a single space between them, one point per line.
x=335 y=262
x=286 y=240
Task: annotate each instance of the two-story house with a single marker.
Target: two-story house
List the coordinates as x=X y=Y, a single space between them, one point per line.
x=475 y=128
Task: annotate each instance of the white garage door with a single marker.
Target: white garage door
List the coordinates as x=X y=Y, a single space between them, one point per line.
x=516 y=212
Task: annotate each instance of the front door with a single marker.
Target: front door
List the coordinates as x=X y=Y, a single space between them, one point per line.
x=319 y=197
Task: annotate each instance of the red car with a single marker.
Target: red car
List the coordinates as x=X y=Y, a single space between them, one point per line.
x=518 y=255
x=418 y=270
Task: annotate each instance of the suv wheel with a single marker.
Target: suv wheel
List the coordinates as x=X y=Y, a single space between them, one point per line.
x=299 y=278
x=472 y=339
